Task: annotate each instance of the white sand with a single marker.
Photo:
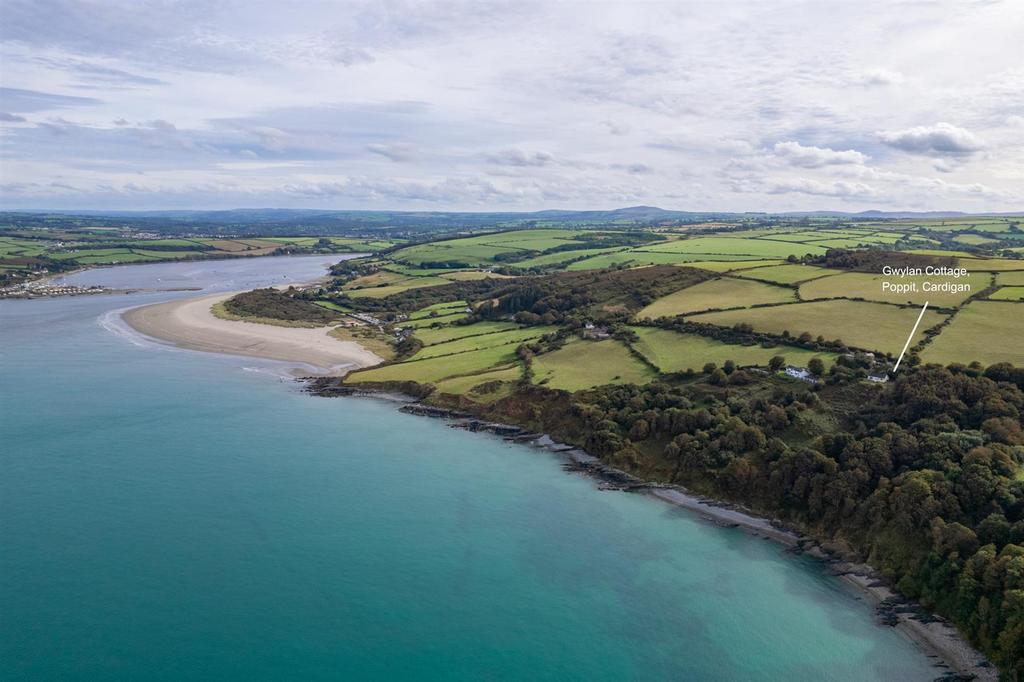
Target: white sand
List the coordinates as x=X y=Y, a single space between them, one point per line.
x=189 y=323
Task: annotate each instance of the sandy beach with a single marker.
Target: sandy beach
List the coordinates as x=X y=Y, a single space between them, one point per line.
x=189 y=323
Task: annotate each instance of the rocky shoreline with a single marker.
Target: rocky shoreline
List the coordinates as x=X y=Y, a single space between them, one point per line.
x=954 y=656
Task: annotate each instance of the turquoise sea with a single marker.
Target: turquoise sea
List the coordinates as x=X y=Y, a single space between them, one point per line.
x=173 y=515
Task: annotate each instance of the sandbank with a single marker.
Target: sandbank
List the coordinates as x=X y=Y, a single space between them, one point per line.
x=189 y=323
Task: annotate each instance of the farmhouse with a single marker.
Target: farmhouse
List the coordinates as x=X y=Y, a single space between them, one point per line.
x=590 y=331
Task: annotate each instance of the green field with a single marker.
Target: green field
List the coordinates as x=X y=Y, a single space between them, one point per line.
x=716 y=293
x=986 y=331
x=410 y=271
x=939 y=252
x=165 y=255
x=466 y=385
x=733 y=265
x=991 y=264
x=330 y=305
x=474 y=251
x=430 y=337
x=870 y=326
x=482 y=342
x=1010 y=278
x=869 y=287
x=375 y=279
x=431 y=370
x=801 y=237
x=442 y=320
x=468 y=275
x=438 y=309
x=1009 y=294
x=785 y=274
x=635 y=258
x=973 y=239
x=672 y=351
x=350 y=243
x=606 y=362
x=397 y=287
x=550 y=259
x=13 y=246
x=736 y=247
x=113 y=258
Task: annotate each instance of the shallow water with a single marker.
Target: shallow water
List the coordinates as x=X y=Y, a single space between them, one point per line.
x=166 y=514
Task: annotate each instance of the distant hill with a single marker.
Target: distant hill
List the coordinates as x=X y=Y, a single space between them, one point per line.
x=893 y=215
x=312 y=221
x=287 y=221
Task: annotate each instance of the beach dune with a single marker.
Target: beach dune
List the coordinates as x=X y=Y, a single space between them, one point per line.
x=189 y=323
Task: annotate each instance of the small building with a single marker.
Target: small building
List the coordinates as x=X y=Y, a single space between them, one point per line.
x=880 y=378
x=800 y=373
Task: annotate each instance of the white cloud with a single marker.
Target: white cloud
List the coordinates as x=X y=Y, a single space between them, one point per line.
x=615 y=127
x=939 y=139
x=797 y=154
x=396 y=151
x=634 y=168
x=520 y=157
x=880 y=77
x=834 y=188
x=525 y=104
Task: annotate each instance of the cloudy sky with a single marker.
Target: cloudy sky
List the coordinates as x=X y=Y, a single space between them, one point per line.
x=732 y=106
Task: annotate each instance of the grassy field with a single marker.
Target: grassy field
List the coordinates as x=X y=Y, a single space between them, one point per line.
x=716 y=293
x=448 y=317
x=736 y=247
x=474 y=251
x=850 y=243
x=671 y=351
x=410 y=271
x=785 y=274
x=432 y=370
x=634 y=258
x=800 y=237
x=444 y=334
x=869 y=287
x=1010 y=278
x=330 y=305
x=550 y=259
x=733 y=265
x=482 y=342
x=607 y=362
x=871 y=326
x=397 y=287
x=991 y=264
x=470 y=386
x=468 y=275
x=376 y=279
x=973 y=239
x=1009 y=294
x=986 y=331
x=438 y=309
x=347 y=243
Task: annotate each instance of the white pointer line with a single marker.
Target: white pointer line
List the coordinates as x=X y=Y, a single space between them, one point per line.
x=910 y=338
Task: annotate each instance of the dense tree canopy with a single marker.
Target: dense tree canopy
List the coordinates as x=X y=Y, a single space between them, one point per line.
x=921 y=477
